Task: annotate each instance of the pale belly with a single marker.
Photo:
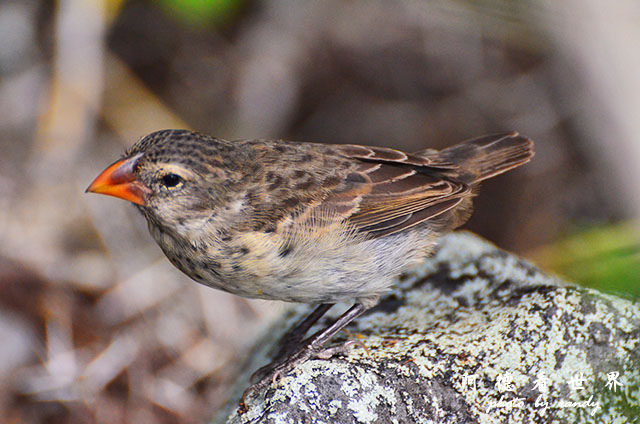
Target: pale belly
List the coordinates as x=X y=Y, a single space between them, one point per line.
x=311 y=270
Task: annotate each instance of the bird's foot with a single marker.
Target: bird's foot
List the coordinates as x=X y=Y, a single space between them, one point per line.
x=311 y=347
x=271 y=373
x=341 y=349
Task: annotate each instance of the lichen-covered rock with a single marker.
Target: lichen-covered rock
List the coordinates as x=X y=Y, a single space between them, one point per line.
x=473 y=335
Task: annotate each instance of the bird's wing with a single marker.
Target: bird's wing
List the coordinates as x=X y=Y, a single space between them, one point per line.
x=378 y=191
x=388 y=191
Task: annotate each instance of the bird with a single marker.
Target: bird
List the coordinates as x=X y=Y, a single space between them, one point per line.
x=302 y=222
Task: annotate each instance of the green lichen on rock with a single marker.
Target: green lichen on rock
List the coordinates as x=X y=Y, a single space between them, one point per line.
x=473 y=335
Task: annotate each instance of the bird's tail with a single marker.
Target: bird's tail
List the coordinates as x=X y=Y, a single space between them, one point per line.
x=487 y=156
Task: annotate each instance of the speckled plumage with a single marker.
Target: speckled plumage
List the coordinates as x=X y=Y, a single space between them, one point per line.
x=302 y=222
x=307 y=222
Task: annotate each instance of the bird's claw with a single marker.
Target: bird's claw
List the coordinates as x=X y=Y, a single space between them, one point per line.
x=271 y=373
x=341 y=349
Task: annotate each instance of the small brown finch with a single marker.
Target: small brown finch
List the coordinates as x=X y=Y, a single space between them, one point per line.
x=302 y=222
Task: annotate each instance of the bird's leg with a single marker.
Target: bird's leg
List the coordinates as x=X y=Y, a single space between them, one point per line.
x=310 y=347
x=293 y=338
x=291 y=341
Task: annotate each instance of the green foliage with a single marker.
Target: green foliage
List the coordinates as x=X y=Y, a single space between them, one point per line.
x=604 y=258
x=202 y=12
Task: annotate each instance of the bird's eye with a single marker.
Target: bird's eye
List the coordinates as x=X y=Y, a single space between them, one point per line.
x=171 y=180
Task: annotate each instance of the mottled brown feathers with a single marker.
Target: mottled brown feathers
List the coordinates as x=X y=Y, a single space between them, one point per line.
x=410 y=189
x=302 y=222
x=378 y=191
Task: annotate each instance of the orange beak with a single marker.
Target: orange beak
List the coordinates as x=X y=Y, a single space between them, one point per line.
x=119 y=180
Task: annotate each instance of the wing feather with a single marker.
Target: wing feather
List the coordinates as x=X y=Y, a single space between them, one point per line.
x=381 y=191
x=394 y=191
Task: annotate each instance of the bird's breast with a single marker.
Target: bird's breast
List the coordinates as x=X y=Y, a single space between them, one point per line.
x=304 y=266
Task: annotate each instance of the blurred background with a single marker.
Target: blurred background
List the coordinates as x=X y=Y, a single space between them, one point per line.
x=96 y=326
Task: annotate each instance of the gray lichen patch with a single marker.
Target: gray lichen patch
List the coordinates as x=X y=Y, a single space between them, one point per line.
x=473 y=335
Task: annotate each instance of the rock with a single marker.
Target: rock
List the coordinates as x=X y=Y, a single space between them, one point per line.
x=473 y=335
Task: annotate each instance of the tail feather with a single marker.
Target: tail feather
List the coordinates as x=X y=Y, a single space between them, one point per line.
x=488 y=156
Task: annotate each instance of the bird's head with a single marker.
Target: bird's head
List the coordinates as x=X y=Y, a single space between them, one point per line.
x=173 y=176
